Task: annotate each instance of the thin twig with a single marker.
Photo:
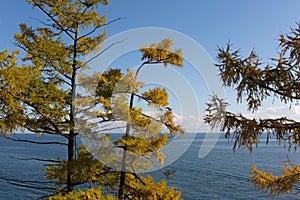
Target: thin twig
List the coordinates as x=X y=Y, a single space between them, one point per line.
x=97 y=55
x=97 y=27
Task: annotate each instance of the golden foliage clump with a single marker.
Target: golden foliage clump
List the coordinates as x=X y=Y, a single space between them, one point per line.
x=276 y=185
x=149 y=190
x=89 y=194
x=162 y=53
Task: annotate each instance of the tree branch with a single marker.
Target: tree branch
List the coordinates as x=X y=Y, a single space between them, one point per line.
x=37 y=109
x=53 y=19
x=103 y=51
x=25 y=184
x=37 y=159
x=97 y=27
x=35 y=142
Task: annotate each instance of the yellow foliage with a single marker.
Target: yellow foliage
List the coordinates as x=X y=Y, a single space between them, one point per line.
x=147 y=189
x=156 y=96
x=162 y=53
x=89 y=194
x=276 y=185
x=85 y=169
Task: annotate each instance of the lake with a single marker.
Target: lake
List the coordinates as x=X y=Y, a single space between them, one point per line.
x=222 y=174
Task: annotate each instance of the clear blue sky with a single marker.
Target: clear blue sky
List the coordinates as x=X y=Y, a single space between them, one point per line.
x=247 y=24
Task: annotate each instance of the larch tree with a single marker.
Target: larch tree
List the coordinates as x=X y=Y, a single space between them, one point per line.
x=254 y=82
x=40 y=95
x=37 y=96
x=123 y=101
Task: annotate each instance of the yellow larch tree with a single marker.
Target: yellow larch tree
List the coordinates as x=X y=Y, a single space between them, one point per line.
x=38 y=93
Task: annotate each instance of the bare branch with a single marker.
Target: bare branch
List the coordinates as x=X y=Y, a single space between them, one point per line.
x=45 y=130
x=97 y=55
x=26 y=184
x=40 y=21
x=19 y=181
x=97 y=27
x=35 y=142
x=37 y=159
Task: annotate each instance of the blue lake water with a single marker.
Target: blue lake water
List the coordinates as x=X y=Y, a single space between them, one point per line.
x=222 y=174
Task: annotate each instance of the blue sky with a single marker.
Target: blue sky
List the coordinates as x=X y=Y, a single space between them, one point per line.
x=247 y=24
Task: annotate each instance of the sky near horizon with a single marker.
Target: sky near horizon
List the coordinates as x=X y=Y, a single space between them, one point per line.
x=248 y=25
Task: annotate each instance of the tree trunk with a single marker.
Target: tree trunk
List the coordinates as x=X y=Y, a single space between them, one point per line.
x=71 y=143
x=71 y=139
x=121 y=193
